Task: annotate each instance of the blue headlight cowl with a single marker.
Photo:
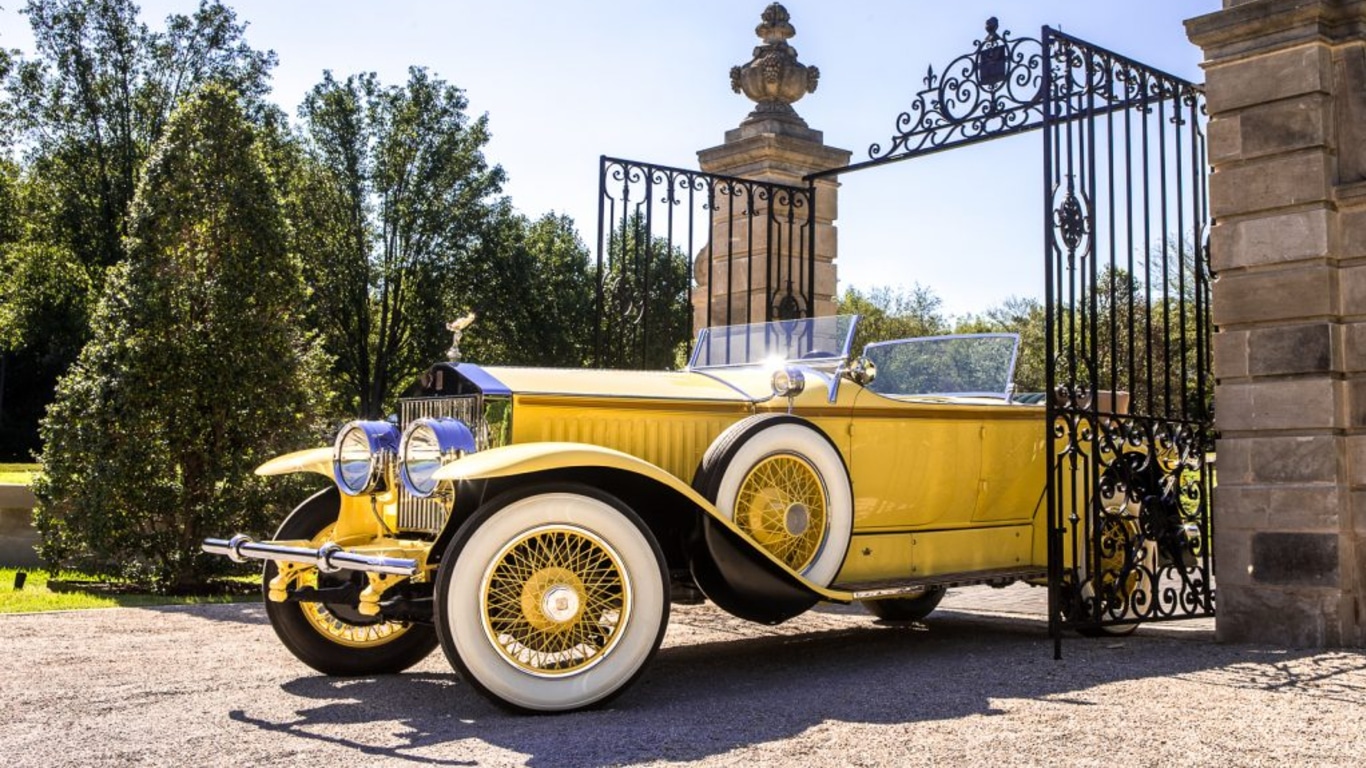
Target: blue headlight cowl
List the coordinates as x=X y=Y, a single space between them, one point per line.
x=428 y=444
x=363 y=451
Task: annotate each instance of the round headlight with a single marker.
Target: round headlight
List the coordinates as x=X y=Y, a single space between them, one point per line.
x=361 y=454
x=428 y=444
x=788 y=382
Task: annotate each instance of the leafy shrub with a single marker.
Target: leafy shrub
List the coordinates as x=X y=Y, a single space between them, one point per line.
x=196 y=371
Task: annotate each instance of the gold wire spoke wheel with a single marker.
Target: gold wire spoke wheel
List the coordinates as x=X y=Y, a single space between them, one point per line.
x=1119 y=577
x=782 y=505
x=334 y=623
x=335 y=638
x=555 y=599
x=1118 y=536
x=552 y=597
x=783 y=483
x=341 y=631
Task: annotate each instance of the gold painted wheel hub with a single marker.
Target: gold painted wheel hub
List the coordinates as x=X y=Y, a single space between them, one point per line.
x=552 y=599
x=781 y=505
x=555 y=600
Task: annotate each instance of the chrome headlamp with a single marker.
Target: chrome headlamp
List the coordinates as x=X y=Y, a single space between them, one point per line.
x=427 y=445
x=788 y=382
x=363 y=451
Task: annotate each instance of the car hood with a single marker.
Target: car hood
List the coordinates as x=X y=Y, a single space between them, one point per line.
x=733 y=385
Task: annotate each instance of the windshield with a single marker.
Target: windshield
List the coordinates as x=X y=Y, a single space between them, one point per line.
x=978 y=365
x=813 y=340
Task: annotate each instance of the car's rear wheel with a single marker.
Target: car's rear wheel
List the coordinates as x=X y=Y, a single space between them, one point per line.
x=1120 y=582
x=906 y=608
x=552 y=599
x=784 y=485
x=334 y=638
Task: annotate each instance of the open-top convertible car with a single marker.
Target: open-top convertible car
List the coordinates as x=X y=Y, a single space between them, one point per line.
x=537 y=524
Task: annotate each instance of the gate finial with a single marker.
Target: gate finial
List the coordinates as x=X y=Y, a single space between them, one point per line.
x=774 y=78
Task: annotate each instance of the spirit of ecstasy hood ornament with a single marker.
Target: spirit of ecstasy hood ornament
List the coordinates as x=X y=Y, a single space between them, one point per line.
x=457 y=329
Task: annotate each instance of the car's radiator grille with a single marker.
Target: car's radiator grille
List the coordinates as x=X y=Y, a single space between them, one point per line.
x=429 y=515
x=467 y=408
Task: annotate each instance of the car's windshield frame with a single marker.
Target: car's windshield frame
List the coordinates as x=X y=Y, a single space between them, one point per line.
x=1007 y=383
x=808 y=341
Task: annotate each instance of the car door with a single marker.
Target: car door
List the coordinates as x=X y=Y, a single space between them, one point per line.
x=913 y=464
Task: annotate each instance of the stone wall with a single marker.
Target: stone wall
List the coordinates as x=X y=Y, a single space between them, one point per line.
x=1286 y=87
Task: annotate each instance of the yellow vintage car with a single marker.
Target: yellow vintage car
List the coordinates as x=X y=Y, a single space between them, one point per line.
x=537 y=524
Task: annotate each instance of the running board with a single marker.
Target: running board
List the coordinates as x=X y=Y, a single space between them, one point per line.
x=872 y=590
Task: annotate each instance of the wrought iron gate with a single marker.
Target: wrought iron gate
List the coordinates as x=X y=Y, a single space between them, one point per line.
x=1129 y=390
x=1129 y=336
x=665 y=233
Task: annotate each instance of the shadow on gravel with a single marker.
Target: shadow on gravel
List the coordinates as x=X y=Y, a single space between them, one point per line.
x=237 y=613
x=696 y=701
x=424 y=704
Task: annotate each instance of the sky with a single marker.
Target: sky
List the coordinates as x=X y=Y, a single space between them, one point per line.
x=566 y=82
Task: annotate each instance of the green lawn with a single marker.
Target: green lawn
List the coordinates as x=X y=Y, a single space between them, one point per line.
x=21 y=474
x=76 y=591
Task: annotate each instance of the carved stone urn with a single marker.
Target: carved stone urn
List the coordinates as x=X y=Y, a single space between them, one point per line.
x=774 y=78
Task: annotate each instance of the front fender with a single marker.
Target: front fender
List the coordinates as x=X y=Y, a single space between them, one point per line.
x=316 y=460
x=528 y=458
x=535 y=458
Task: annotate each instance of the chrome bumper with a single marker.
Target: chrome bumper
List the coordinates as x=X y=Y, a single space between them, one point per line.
x=329 y=558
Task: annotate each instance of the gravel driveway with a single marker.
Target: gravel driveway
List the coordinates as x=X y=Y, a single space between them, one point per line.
x=975 y=685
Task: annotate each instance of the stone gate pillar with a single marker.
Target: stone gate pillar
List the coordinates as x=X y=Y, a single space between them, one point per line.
x=772 y=144
x=1286 y=87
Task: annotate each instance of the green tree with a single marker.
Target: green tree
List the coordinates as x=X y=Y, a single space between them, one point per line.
x=392 y=199
x=530 y=285
x=87 y=107
x=646 y=318
x=893 y=313
x=97 y=95
x=1024 y=316
x=196 y=370
x=564 y=280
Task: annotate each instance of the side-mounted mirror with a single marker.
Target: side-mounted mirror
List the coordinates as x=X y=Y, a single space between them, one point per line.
x=861 y=371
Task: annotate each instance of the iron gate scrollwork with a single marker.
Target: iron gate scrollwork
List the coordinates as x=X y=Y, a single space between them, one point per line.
x=993 y=91
x=666 y=233
x=1128 y=334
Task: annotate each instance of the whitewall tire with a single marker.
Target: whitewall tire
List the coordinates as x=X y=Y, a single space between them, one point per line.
x=552 y=599
x=784 y=484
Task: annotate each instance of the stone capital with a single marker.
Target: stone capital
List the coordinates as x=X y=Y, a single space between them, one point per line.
x=1250 y=27
x=771 y=156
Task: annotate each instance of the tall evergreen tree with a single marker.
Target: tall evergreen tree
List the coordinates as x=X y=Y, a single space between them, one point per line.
x=196 y=371
x=98 y=93
x=565 y=315
x=87 y=107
